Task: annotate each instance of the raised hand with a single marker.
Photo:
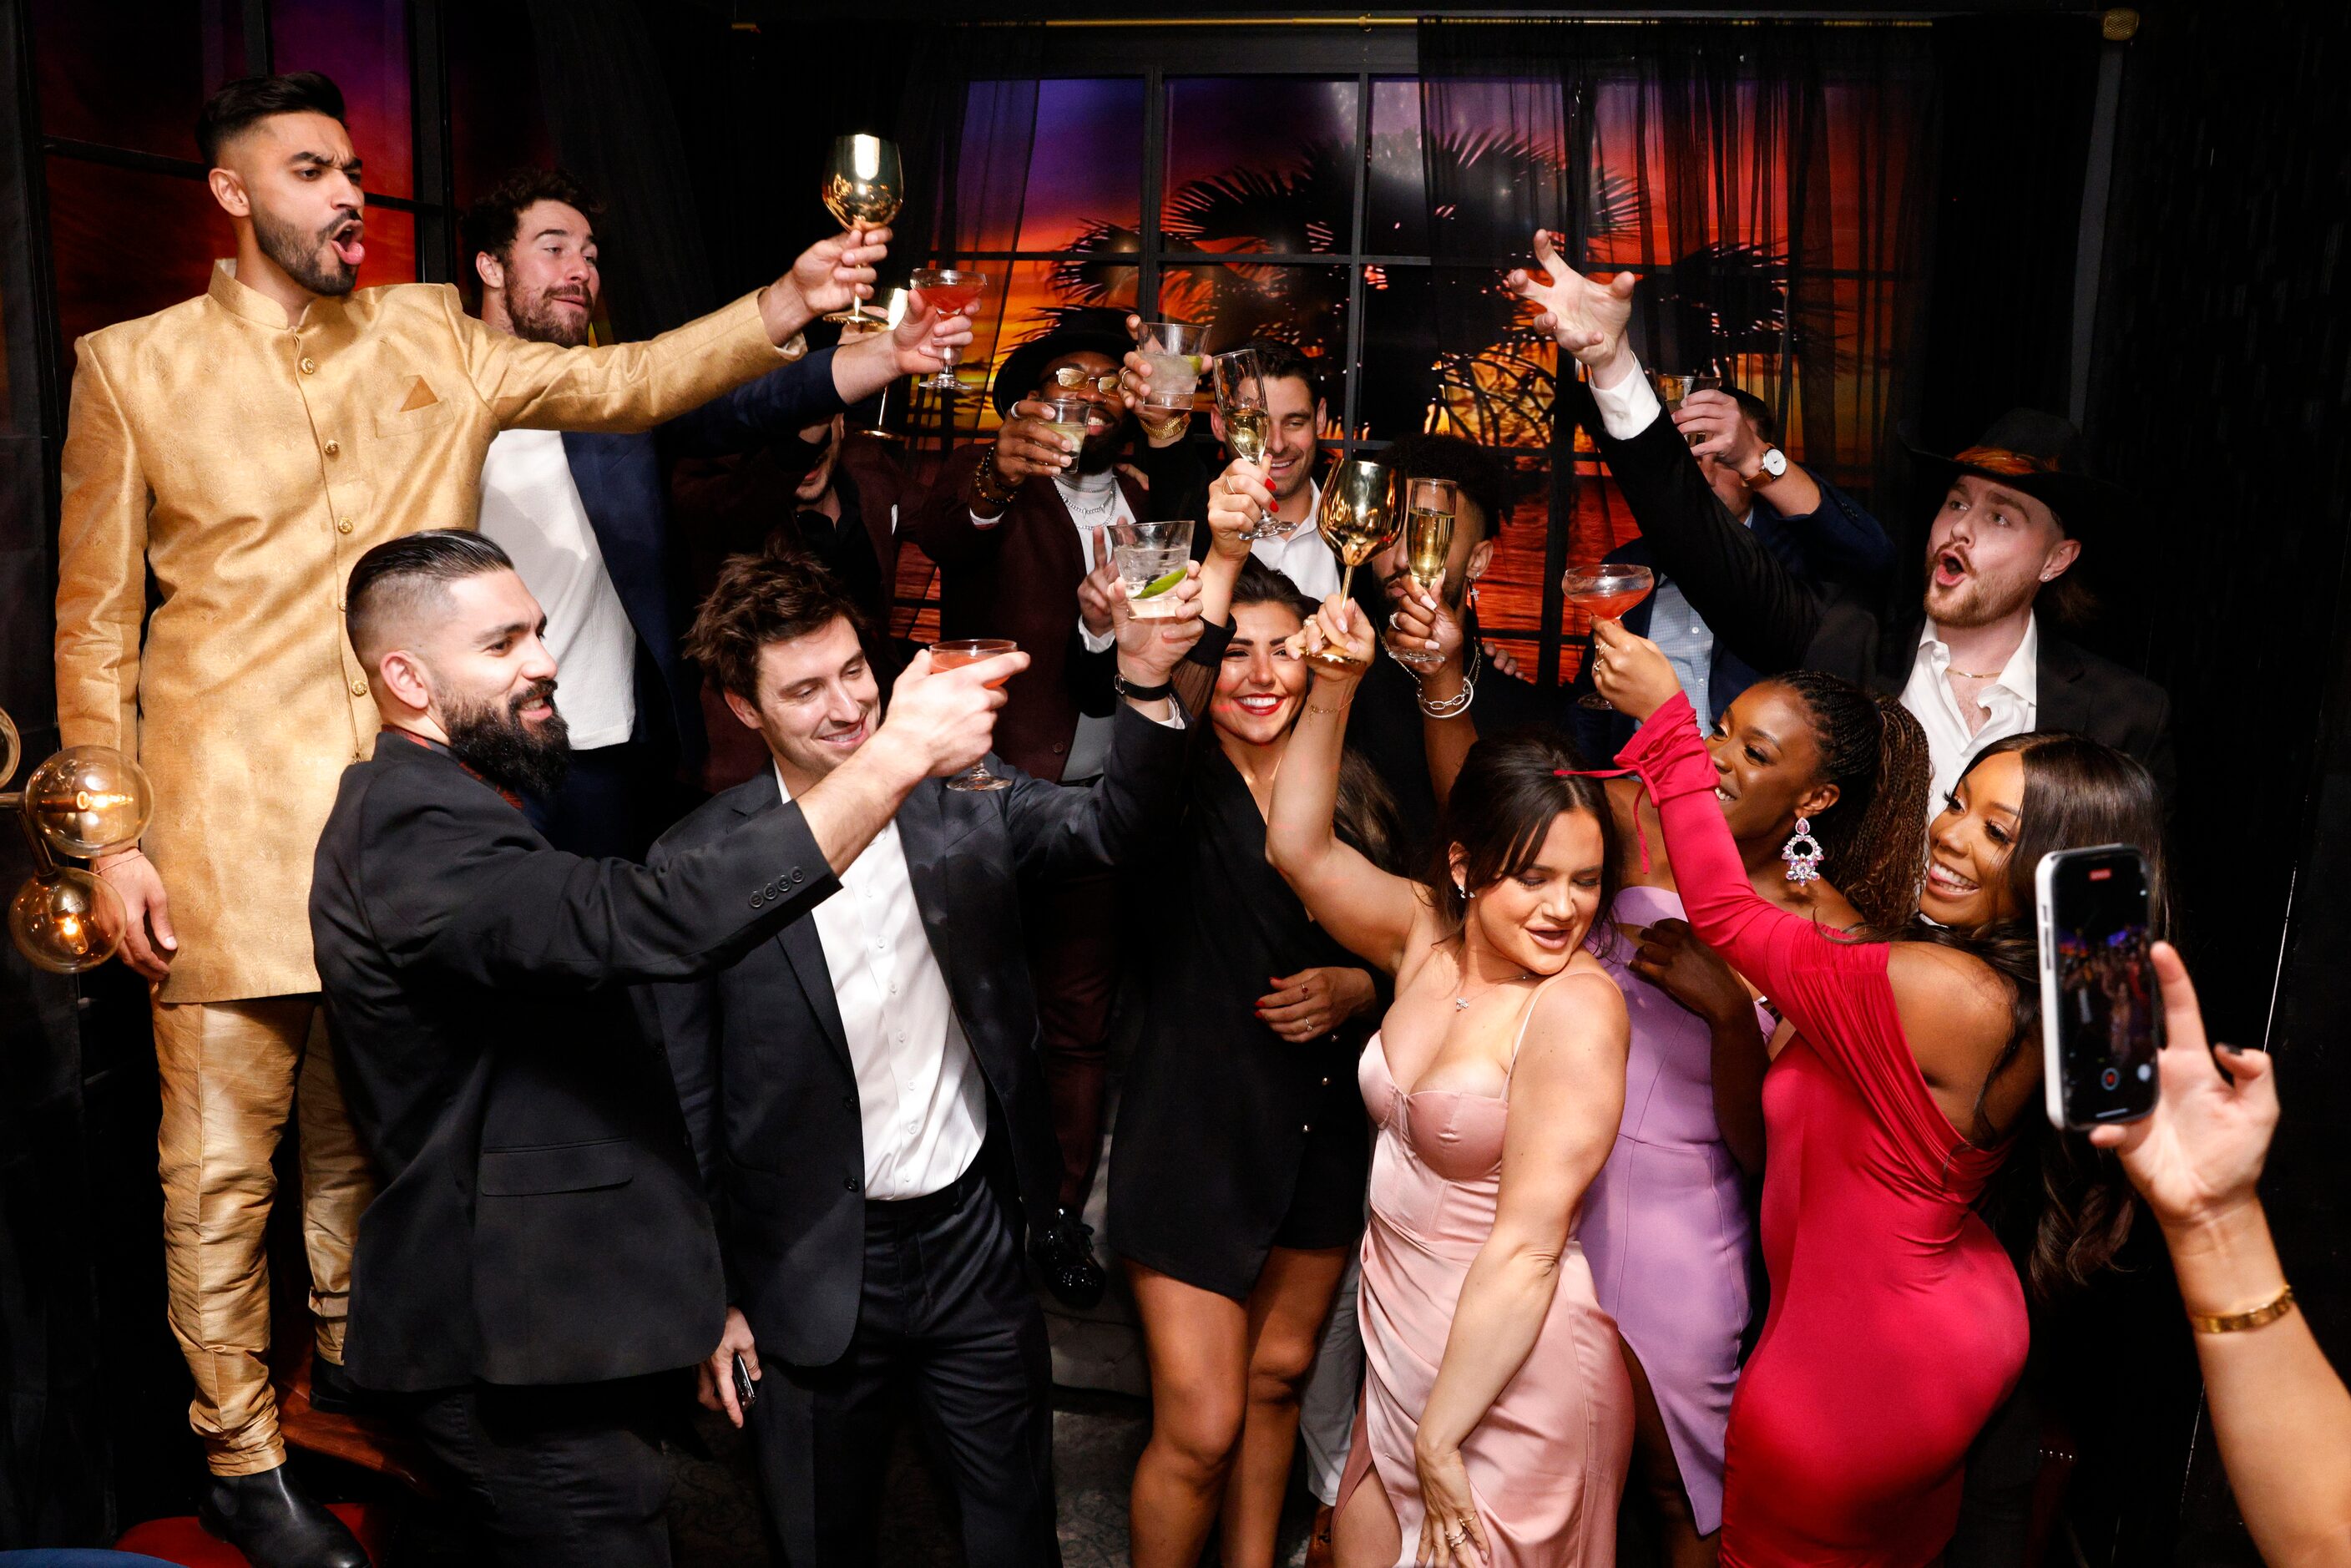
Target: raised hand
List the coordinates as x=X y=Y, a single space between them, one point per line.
x=1150 y=649
x=918 y=344
x=830 y=275
x=945 y=719
x=1099 y=590
x=1238 y=499
x=1338 y=622
x=1586 y=318
x=1421 y=631
x=2199 y=1157
x=1631 y=672
x=1026 y=446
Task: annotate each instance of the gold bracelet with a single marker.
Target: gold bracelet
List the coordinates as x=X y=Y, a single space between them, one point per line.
x=2269 y=1311
x=1341 y=709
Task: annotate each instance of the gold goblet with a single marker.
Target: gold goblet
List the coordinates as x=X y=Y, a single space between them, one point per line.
x=88 y=800
x=1358 y=518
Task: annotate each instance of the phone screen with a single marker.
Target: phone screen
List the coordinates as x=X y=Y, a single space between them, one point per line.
x=2106 y=1002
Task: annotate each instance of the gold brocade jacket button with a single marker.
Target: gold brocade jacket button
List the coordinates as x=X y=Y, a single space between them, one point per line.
x=359 y=687
x=332 y=448
x=309 y=365
x=342 y=525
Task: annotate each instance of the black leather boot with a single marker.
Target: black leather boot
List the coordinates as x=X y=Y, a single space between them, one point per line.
x=276 y=1523
x=332 y=1390
x=1063 y=1253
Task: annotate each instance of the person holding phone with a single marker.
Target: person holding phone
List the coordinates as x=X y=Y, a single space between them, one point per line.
x=2281 y=1413
x=1896 y=1325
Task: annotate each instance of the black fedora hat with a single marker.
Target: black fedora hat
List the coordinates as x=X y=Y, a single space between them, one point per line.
x=2041 y=456
x=1088 y=328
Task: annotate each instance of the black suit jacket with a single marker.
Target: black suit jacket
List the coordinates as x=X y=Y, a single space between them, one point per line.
x=1765 y=614
x=624 y=490
x=540 y=1218
x=763 y=1067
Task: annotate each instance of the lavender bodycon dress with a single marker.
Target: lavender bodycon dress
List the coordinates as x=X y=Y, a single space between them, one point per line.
x=1665 y=1224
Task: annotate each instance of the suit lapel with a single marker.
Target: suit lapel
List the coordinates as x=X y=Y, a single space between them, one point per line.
x=804 y=950
x=922 y=835
x=2060 y=702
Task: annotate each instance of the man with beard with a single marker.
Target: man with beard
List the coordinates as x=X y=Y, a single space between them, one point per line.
x=540 y=1267
x=1974 y=660
x=1015 y=524
x=240 y=450
x=586 y=515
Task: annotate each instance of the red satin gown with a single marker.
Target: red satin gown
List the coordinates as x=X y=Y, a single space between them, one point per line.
x=1896 y=1324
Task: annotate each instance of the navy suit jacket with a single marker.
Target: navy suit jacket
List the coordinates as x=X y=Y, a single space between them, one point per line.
x=623 y=484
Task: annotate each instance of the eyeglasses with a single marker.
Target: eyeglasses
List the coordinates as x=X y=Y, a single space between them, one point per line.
x=1071 y=377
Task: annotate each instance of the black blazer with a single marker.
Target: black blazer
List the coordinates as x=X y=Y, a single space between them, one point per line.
x=624 y=490
x=1766 y=614
x=763 y=1067
x=540 y=1219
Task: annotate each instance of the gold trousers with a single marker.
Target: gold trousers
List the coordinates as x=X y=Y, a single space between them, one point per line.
x=233 y=1075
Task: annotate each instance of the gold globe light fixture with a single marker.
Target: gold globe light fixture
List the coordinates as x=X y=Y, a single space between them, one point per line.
x=83 y=802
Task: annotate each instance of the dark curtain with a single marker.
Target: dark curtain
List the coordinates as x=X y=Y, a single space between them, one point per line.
x=610 y=113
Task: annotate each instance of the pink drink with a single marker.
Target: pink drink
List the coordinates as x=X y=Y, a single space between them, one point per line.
x=1607 y=606
x=952 y=298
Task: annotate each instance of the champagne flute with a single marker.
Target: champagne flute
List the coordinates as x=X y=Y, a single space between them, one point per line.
x=1604 y=593
x=1359 y=519
x=861 y=185
x=953 y=655
x=1673 y=386
x=892 y=303
x=952 y=292
x=1430 y=506
x=1240 y=380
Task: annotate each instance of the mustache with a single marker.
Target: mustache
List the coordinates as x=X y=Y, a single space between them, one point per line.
x=538 y=691
x=342 y=226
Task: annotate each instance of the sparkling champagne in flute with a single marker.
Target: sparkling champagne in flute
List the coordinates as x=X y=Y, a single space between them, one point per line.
x=1239 y=380
x=861 y=186
x=954 y=656
x=1359 y=519
x=1430 y=506
x=1604 y=593
x=952 y=292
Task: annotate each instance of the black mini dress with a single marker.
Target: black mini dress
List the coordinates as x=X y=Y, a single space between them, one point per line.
x=1230 y=1140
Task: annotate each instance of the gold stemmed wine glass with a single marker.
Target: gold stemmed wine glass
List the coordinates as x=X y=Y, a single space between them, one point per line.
x=1358 y=518
x=861 y=186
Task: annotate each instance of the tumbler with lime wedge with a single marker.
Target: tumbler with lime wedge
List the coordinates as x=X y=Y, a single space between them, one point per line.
x=1151 y=558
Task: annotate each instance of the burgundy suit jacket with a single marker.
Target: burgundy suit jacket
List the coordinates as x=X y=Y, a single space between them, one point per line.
x=1018 y=579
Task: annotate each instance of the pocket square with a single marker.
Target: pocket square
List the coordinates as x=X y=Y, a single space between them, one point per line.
x=419 y=396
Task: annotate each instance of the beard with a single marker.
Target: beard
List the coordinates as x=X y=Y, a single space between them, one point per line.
x=1099 y=452
x=539 y=320
x=309 y=259
x=492 y=739
x=1976 y=602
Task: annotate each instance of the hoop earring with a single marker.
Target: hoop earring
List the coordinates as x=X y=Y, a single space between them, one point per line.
x=1803 y=853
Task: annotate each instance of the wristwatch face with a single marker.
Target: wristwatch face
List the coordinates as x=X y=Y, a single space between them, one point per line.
x=1775 y=462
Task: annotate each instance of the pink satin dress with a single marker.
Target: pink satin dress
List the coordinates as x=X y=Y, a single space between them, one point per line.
x=1547 y=1463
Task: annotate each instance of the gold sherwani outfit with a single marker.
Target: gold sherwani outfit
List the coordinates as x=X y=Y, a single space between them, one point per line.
x=247 y=462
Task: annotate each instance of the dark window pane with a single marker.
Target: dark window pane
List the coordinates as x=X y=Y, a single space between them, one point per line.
x=497 y=121
x=1447 y=348
x=363 y=45
x=133 y=73
x=102 y=278
x=1305 y=306
x=1264 y=164
x=1085 y=166
x=1395 y=216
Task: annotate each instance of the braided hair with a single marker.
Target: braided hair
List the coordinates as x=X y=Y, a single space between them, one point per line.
x=1875 y=754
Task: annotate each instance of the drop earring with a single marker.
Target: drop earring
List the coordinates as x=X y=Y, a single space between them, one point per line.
x=1803 y=853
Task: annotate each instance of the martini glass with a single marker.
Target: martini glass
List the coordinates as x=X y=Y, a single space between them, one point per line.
x=971 y=651
x=1358 y=518
x=952 y=292
x=862 y=183
x=1604 y=593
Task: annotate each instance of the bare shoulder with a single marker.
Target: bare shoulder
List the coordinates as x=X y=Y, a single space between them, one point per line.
x=1585 y=1003
x=1947 y=999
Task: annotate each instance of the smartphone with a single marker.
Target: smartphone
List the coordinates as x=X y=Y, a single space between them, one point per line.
x=746 y=1393
x=2101 y=1013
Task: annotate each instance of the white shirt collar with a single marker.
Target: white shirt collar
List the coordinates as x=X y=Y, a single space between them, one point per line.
x=1313 y=514
x=2020 y=676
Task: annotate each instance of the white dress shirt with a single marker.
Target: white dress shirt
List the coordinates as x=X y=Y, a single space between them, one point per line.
x=531 y=508
x=2013 y=701
x=919 y=1090
x=1301 y=555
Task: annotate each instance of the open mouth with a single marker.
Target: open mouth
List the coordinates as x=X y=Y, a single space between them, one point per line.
x=1723 y=795
x=349 y=242
x=1950 y=568
x=1260 y=704
x=848 y=739
x=1948 y=882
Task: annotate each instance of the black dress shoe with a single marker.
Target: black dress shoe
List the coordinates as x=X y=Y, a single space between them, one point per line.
x=277 y=1524
x=1063 y=1253
x=332 y=1390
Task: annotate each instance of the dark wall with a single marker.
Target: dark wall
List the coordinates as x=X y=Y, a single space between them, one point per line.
x=2220 y=390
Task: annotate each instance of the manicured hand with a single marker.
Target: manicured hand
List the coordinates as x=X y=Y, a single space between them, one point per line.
x=1451 y=1534
x=1421 y=631
x=1674 y=959
x=1238 y=500
x=1339 y=622
x=1630 y=672
x=1313 y=1002
x=2198 y=1158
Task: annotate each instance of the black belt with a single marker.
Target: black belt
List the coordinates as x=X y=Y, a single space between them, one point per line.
x=929 y=1206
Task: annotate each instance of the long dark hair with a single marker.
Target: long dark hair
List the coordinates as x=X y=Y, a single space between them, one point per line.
x=1875 y=754
x=1511 y=787
x=2066 y=1213
x=1367 y=819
